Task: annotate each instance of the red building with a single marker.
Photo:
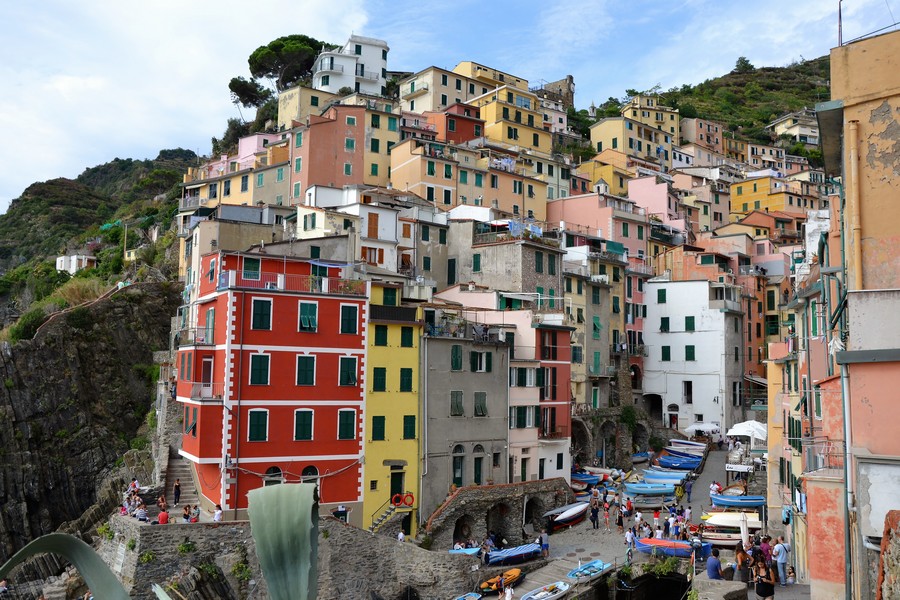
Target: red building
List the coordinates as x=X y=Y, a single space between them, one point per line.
x=272 y=378
x=555 y=354
x=458 y=124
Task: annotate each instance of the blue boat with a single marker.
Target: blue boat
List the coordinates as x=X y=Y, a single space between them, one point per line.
x=469 y=551
x=649 y=489
x=640 y=457
x=738 y=501
x=673 y=547
x=660 y=480
x=514 y=556
x=469 y=596
x=589 y=571
x=676 y=462
x=586 y=478
x=671 y=476
x=683 y=454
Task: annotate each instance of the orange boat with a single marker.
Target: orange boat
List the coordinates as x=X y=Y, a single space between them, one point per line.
x=510 y=578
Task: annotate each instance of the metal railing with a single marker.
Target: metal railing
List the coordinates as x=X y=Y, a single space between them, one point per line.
x=192 y=202
x=195 y=336
x=207 y=392
x=822 y=454
x=553 y=433
x=369 y=75
x=331 y=69
x=291 y=283
x=639 y=265
x=608 y=256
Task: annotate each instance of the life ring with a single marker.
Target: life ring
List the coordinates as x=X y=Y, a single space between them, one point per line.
x=408 y=499
x=397 y=499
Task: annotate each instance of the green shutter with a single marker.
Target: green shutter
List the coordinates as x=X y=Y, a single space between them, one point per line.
x=406 y=337
x=442 y=236
x=259 y=369
x=520 y=417
x=539 y=377
x=379 y=379
x=346 y=425
x=473 y=361
x=308 y=316
x=406 y=377
x=488 y=360
x=480 y=404
x=689 y=323
x=347 y=371
x=303 y=420
x=688 y=353
x=381 y=335
x=521 y=377
x=596 y=328
x=456 y=359
x=348 y=319
x=389 y=297
x=262 y=314
x=378 y=428
x=409 y=427
x=661 y=296
x=664 y=323
x=306 y=370
x=456 y=403
x=258 y=424
x=666 y=353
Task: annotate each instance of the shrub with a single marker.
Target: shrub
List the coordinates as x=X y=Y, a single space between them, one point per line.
x=186 y=546
x=132 y=544
x=106 y=531
x=80 y=290
x=241 y=571
x=146 y=557
x=27 y=325
x=209 y=570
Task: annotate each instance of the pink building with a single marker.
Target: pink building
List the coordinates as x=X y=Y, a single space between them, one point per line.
x=708 y=134
x=655 y=196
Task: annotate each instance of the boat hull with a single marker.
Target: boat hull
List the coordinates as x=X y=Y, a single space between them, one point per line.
x=672 y=547
x=677 y=462
x=511 y=577
x=738 y=501
x=649 y=489
x=514 y=556
x=570 y=517
x=589 y=571
x=548 y=592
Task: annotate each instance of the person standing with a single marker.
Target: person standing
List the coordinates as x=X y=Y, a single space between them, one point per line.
x=217 y=516
x=176 y=491
x=595 y=512
x=714 y=566
x=606 y=516
x=401 y=536
x=656 y=517
x=629 y=539
x=545 y=543
x=687 y=489
x=687 y=514
x=780 y=554
x=765 y=581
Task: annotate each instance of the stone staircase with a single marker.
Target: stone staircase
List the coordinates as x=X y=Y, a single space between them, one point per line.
x=180 y=468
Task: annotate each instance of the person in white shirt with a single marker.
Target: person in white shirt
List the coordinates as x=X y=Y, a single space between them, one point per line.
x=671 y=527
x=401 y=536
x=659 y=533
x=687 y=514
x=217 y=516
x=629 y=538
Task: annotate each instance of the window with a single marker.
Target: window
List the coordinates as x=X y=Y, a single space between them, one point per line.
x=463 y=177
x=258 y=425
x=351 y=120
x=406 y=380
x=348 y=319
x=538 y=262
x=689 y=323
x=389 y=296
x=346 y=424
x=279 y=174
x=348 y=169
x=378 y=428
x=381 y=335
x=448 y=171
x=314 y=100
x=297 y=190
x=226 y=188
x=451 y=124
x=347 y=371
x=615 y=304
x=664 y=324
x=262 y=314
x=661 y=296
x=442 y=236
x=379 y=379
x=689 y=353
x=259 y=369
x=595 y=295
x=326 y=79
x=409 y=427
x=551 y=264
x=456 y=403
x=375 y=145
x=392 y=123
x=480 y=404
x=480 y=362
x=349 y=144
x=596 y=328
x=666 y=354
x=306 y=370
x=577 y=355
x=309 y=222
x=303 y=425
x=245 y=182
x=456 y=357
x=376 y=121
x=308 y=316
x=426 y=263
x=625 y=230
x=251 y=268
x=406 y=337
x=479 y=179
x=426 y=233
x=476 y=263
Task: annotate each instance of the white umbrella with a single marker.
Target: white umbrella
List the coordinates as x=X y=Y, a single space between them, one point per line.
x=747 y=430
x=745 y=530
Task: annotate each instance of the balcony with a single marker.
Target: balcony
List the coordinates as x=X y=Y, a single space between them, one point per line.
x=367 y=75
x=400 y=314
x=207 y=392
x=192 y=202
x=822 y=456
x=196 y=336
x=601 y=370
x=416 y=91
x=330 y=68
x=785 y=235
x=307 y=284
x=553 y=433
x=416 y=124
x=637 y=350
x=637 y=265
x=606 y=256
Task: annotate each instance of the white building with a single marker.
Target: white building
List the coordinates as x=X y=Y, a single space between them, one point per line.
x=695 y=362
x=75 y=262
x=360 y=65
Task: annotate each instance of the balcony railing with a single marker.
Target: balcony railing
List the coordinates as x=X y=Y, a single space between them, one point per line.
x=638 y=265
x=553 y=433
x=779 y=235
x=418 y=91
x=823 y=455
x=291 y=283
x=330 y=68
x=601 y=370
x=196 y=336
x=606 y=256
x=368 y=75
x=406 y=314
x=413 y=124
x=629 y=349
x=188 y=202
x=207 y=392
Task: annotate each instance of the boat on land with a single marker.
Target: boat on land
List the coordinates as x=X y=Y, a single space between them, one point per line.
x=570 y=517
x=640 y=457
x=515 y=555
x=578 y=486
x=600 y=471
x=688 y=443
x=650 y=489
x=685 y=452
x=469 y=551
x=652 y=501
x=738 y=501
x=511 y=577
x=589 y=571
x=672 y=547
x=548 y=592
x=677 y=462
x=660 y=480
x=586 y=478
x=733 y=519
x=672 y=476
x=470 y=596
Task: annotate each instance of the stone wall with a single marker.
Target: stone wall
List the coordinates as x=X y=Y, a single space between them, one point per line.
x=473 y=511
x=889 y=568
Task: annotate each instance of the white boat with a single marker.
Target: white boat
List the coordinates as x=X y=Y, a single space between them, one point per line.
x=548 y=592
x=733 y=519
x=692 y=450
x=674 y=442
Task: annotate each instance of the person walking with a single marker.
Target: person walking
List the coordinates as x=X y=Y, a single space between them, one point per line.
x=629 y=538
x=780 y=554
x=764 y=579
x=545 y=543
x=742 y=563
x=176 y=491
x=687 y=489
x=595 y=512
x=606 y=516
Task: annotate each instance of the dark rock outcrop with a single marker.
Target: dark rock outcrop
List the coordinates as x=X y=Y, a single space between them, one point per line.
x=71 y=401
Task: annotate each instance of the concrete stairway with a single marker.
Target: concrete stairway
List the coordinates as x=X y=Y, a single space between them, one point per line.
x=180 y=468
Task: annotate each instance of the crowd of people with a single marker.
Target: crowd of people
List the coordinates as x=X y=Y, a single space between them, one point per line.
x=133 y=505
x=759 y=564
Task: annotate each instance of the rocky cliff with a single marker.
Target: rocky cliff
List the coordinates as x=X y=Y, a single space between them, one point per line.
x=71 y=402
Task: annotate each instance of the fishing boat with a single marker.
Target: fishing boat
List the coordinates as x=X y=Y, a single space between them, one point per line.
x=674 y=442
x=672 y=547
x=734 y=519
x=514 y=556
x=548 y=592
x=578 y=486
x=660 y=480
x=599 y=470
x=469 y=551
x=738 y=501
x=469 y=596
x=649 y=489
x=510 y=578
x=644 y=502
x=678 y=476
x=586 y=478
x=685 y=451
x=676 y=462
x=640 y=457
x=568 y=518
x=735 y=489
x=589 y=571
x=584 y=496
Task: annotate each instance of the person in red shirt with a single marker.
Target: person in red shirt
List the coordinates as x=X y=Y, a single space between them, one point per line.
x=656 y=518
x=163 y=517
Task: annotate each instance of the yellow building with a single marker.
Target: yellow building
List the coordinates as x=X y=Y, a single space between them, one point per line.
x=736 y=149
x=297 y=103
x=490 y=77
x=773 y=194
x=648 y=111
x=617 y=178
x=430 y=170
x=634 y=138
x=513 y=116
x=434 y=89
x=393 y=426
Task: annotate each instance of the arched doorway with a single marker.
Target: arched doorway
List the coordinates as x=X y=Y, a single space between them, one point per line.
x=640 y=438
x=273 y=476
x=500 y=520
x=636 y=378
x=534 y=511
x=464 y=528
x=478 y=464
x=582 y=445
x=654 y=407
x=672 y=416
x=459 y=462
x=606 y=450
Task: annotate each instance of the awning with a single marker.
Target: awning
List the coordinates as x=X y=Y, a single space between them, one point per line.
x=194 y=186
x=516 y=296
x=757 y=380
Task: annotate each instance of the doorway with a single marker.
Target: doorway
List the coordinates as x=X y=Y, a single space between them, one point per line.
x=397 y=485
x=206 y=375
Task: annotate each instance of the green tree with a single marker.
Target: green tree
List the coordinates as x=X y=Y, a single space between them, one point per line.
x=743 y=65
x=286 y=60
x=248 y=92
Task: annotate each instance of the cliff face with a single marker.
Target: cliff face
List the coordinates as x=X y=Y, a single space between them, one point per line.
x=70 y=401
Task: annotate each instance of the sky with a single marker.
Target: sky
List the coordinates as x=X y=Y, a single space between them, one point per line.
x=89 y=81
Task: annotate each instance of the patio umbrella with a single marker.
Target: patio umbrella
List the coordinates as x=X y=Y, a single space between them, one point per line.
x=747 y=430
x=745 y=530
x=702 y=427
